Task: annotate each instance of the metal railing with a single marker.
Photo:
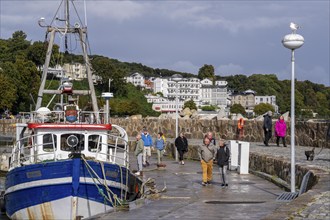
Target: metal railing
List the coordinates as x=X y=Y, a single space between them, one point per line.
x=27 y=151
x=85 y=117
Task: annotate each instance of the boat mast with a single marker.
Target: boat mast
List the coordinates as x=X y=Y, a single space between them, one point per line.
x=82 y=32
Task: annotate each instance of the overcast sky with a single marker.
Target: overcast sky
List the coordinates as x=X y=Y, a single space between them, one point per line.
x=236 y=37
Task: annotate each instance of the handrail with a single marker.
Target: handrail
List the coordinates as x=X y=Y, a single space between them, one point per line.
x=27 y=151
x=87 y=117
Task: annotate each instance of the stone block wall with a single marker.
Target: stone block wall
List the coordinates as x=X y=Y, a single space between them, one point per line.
x=280 y=167
x=307 y=133
x=7 y=126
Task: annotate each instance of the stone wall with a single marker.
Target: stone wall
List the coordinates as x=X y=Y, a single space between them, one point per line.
x=7 y=126
x=280 y=167
x=307 y=133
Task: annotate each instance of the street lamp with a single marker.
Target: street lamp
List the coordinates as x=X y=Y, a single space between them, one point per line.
x=176 y=78
x=293 y=41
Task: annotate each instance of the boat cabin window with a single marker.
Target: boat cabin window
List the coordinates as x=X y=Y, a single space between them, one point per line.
x=93 y=142
x=49 y=142
x=78 y=142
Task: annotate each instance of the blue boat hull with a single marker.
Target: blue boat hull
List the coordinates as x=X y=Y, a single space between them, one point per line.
x=63 y=189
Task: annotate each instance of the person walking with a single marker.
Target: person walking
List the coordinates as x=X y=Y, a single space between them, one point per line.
x=147 y=140
x=138 y=152
x=280 y=131
x=240 y=129
x=267 y=127
x=160 y=147
x=210 y=136
x=207 y=153
x=181 y=144
x=223 y=155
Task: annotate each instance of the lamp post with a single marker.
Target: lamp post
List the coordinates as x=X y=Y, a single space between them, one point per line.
x=176 y=78
x=293 y=41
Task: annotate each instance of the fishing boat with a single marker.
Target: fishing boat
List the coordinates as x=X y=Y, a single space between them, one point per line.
x=68 y=163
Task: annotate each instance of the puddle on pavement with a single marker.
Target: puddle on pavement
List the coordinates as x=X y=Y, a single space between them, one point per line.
x=233 y=202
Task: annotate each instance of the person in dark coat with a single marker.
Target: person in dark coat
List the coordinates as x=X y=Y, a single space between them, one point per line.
x=181 y=144
x=223 y=155
x=267 y=127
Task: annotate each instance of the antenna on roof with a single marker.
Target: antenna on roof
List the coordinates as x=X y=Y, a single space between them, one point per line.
x=85 y=10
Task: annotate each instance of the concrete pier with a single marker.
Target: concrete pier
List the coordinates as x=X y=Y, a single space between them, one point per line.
x=248 y=196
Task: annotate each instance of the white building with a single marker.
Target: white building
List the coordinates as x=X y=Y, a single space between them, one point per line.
x=162 y=104
x=206 y=81
x=57 y=71
x=213 y=94
x=75 y=71
x=137 y=79
x=267 y=99
x=161 y=85
x=202 y=92
x=188 y=88
x=221 y=83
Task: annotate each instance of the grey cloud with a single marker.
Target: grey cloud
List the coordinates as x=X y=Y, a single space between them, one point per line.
x=233 y=36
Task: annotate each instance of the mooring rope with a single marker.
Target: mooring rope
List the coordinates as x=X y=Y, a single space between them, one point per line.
x=90 y=169
x=150 y=183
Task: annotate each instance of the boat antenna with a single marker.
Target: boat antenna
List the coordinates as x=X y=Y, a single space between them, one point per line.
x=67 y=23
x=85 y=13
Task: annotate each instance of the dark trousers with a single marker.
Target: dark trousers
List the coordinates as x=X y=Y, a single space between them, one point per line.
x=278 y=141
x=268 y=135
x=181 y=152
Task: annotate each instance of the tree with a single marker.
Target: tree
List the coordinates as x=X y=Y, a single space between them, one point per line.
x=207 y=71
x=262 y=108
x=209 y=108
x=104 y=68
x=323 y=110
x=134 y=103
x=190 y=104
x=237 y=82
x=17 y=45
x=37 y=53
x=237 y=109
x=7 y=91
x=28 y=83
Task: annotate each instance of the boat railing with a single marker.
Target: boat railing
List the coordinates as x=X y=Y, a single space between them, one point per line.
x=68 y=116
x=28 y=150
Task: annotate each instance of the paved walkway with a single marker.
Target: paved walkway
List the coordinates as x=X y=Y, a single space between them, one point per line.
x=247 y=197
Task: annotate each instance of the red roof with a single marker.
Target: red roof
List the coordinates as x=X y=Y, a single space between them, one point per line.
x=70 y=126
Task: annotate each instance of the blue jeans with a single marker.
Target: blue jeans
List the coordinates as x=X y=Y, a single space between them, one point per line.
x=223 y=174
x=160 y=154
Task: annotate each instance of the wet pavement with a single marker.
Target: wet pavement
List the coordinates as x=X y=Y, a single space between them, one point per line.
x=246 y=197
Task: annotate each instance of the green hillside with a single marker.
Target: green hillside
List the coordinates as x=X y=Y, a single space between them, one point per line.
x=20 y=80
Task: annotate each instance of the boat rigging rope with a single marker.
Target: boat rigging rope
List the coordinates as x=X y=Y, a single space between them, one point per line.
x=121 y=180
x=105 y=179
x=109 y=191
